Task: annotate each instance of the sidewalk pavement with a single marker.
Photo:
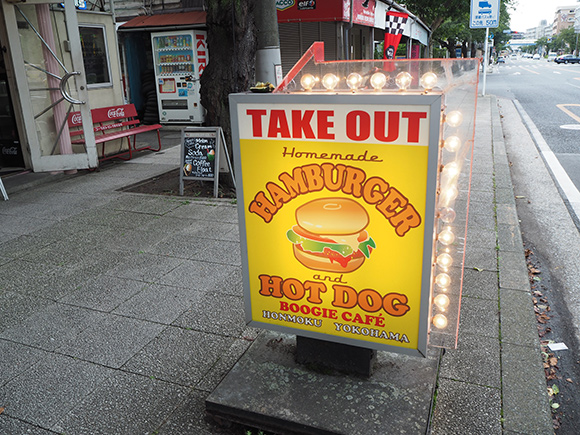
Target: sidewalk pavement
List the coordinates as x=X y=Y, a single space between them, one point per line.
x=121 y=312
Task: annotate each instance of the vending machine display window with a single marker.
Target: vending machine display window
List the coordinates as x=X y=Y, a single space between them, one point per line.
x=167 y=86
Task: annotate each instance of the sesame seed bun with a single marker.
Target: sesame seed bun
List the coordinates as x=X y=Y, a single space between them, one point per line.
x=332 y=216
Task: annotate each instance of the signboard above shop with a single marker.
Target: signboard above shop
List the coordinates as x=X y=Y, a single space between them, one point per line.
x=323 y=10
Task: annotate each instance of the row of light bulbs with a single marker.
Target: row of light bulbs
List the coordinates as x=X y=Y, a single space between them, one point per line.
x=448 y=193
x=378 y=81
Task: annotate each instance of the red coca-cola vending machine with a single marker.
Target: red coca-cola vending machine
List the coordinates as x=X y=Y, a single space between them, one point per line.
x=179 y=60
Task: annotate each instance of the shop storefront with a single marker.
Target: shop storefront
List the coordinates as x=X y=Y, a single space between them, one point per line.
x=58 y=59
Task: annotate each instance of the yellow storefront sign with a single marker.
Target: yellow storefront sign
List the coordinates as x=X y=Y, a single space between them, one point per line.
x=336 y=206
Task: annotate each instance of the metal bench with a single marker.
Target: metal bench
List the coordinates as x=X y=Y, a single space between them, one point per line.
x=112 y=123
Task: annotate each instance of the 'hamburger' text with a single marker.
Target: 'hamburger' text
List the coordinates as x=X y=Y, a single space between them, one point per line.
x=391 y=203
x=369 y=300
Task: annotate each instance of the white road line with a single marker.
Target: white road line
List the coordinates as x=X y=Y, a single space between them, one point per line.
x=568 y=188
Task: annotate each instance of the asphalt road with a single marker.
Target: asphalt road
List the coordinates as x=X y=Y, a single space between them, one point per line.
x=550 y=94
x=532 y=125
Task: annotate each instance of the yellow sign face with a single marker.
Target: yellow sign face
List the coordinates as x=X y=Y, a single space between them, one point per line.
x=335 y=200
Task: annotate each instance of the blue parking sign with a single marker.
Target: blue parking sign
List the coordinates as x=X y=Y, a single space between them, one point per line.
x=484 y=13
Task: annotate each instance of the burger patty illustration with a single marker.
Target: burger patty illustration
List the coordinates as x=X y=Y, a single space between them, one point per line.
x=330 y=235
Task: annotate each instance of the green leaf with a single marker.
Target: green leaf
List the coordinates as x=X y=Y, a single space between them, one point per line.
x=555 y=389
x=364 y=247
x=555 y=405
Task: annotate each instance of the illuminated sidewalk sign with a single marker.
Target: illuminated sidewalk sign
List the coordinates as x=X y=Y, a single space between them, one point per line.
x=340 y=197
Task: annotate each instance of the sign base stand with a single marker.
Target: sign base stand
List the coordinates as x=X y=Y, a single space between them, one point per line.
x=345 y=358
x=269 y=390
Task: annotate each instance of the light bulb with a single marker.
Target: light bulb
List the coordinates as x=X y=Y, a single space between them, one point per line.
x=444 y=260
x=403 y=80
x=452 y=144
x=429 y=80
x=308 y=81
x=454 y=119
x=451 y=170
x=354 y=80
x=442 y=301
x=440 y=321
x=446 y=237
x=329 y=81
x=443 y=280
x=448 y=194
x=378 y=81
x=447 y=215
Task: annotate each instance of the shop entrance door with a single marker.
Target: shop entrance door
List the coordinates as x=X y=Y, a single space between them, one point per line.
x=48 y=64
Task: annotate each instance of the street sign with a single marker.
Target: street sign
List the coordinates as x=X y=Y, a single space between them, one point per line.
x=484 y=14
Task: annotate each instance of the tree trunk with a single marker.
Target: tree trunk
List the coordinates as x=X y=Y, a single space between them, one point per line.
x=232 y=51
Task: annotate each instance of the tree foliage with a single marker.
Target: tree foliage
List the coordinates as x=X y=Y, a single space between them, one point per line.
x=449 y=22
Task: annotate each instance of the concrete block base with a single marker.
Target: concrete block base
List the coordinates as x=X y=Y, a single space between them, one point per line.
x=269 y=390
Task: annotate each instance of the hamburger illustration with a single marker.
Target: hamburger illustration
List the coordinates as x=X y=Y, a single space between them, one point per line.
x=330 y=235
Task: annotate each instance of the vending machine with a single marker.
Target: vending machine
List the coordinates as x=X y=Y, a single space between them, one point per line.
x=179 y=59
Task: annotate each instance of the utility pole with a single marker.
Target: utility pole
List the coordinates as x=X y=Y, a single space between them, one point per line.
x=268 y=60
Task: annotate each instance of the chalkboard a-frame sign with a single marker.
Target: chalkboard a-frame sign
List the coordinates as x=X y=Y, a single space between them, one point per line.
x=200 y=155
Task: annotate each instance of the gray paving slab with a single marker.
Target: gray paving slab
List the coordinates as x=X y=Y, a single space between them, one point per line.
x=103 y=293
x=518 y=321
x=476 y=361
x=507 y=214
x=509 y=238
x=218 y=372
x=124 y=403
x=10 y=425
x=481 y=238
x=53 y=326
x=159 y=303
x=505 y=195
x=464 y=408
x=222 y=211
x=112 y=340
x=215 y=313
x=16 y=358
x=143 y=266
x=526 y=408
x=479 y=316
x=197 y=274
x=19 y=246
x=201 y=249
x=179 y=356
x=15 y=307
x=50 y=389
x=480 y=284
x=513 y=272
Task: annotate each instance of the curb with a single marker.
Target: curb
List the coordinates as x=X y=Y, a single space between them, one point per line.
x=525 y=401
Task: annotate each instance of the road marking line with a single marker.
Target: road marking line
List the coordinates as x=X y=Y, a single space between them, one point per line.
x=556 y=72
x=569 y=190
x=571 y=114
x=529 y=70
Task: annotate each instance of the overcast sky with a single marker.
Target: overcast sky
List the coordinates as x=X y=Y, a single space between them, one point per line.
x=529 y=13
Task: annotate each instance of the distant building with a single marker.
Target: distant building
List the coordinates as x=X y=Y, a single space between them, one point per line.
x=563 y=18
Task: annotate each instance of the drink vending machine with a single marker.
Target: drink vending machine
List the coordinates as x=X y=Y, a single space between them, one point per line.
x=179 y=59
